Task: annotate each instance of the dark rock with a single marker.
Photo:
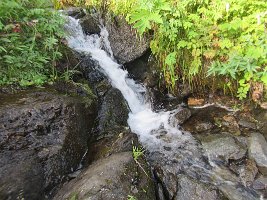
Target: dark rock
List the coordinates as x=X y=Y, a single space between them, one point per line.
x=160 y=192
x=247 y=124
x=89 y=24
x=192 y=189
x=113 y=113
x=139 y=69
x=260 y=183
x=182 y=115
x=124 y=41
x=183 y=91
x=222 y=147
x=261 y=117
x=121 y=141
x=43 y=136
x=205 y=120
x=152 y=78
x=248 y=172
x=75 y=12
x=114 y=177
x=204 y=126
x=258 y=151
x=68 y=61
x=230 y=124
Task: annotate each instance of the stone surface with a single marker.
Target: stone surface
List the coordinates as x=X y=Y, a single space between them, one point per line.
x=189 y=189
x=43 y=136
x=248 y=172
x=182 y=115
x=260 y=183
x=113 y=113
x=75 y=12
x=114 y=177
x=222 y=147
x=206 y=120
x=124 y=41
x=261 y=117
x=138 y=68
x=258 y=151
x=89 y=24
x=230 y=124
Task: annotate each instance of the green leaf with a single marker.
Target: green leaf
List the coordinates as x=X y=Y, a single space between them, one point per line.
x=171 y=59
x=264 y=79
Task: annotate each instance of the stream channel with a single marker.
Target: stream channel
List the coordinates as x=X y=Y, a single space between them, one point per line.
x=167 y=145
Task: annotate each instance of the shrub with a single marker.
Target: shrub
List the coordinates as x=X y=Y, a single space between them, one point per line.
x=30 y=32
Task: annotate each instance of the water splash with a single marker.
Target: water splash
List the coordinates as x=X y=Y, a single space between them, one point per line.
x=158 y=132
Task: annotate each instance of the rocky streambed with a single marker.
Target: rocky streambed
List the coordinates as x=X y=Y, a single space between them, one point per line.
x=72 y=140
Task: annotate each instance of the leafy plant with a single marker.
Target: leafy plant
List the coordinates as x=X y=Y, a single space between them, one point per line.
x=130 y=197
x=30 y=33
x=137 y=152
x=202 y=42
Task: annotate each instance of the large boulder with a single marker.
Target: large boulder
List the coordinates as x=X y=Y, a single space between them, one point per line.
x=192 y=189
x=113 y=113
x=115 y=177
x=125 y=43
x=90 y=24
x=258 y=151
x=43 y=137
x=222 y=148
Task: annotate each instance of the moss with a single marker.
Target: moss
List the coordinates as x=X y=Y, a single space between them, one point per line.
x=74 y=196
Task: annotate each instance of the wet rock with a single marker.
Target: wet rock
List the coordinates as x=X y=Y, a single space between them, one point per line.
x=182 y=115
x=205 y=126
x=237 y=192
x=75 y=12
x=43 y=136
x=138 y=69
x=120 y=141
x=160 y=193
x=124 y=41
x=68 y=61
x=261 y=117
x=247 y=124
x=114 y=177
x=258 y=151
x=152 y=78
x=205 y=120
x=260 y=183
x=113 y=113
x=248 y=172
x=230 y=124
x=89 y=25
x=222 y=147
x=192 y=189
x=230 y=186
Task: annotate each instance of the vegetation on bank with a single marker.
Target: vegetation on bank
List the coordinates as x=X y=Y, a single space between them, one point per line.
x=211 y=44
x=30 y=33
x=206 y=43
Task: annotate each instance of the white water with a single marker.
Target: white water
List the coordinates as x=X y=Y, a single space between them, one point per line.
x=155 y=129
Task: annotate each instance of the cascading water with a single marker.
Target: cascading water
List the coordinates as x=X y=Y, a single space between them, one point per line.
x=158 y=132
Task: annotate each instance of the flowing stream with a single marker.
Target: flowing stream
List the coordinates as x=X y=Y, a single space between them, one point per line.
x=173 y=149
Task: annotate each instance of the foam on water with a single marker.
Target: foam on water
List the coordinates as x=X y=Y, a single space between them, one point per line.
x=149 y=125
x=158 y=131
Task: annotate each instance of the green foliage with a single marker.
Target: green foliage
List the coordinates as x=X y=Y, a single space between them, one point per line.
x=137 y=152
x=30 y=33
x=130 y=197
x=194 y=39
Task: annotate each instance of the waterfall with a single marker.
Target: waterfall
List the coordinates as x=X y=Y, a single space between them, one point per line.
x=158 y=131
